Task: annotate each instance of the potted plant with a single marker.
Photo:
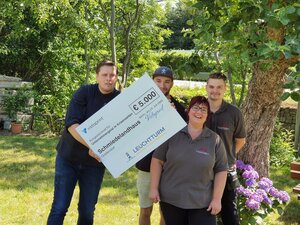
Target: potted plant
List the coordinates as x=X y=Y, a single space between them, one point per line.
x=14 y=103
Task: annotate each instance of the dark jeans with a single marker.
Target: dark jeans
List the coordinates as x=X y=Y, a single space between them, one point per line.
x=178 y=216
x=229 y=212
x=66 y=176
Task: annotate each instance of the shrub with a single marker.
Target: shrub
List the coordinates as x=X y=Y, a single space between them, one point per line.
x=257 y=197
x=281 y=148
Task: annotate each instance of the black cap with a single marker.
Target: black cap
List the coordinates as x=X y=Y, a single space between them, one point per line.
x=163 y=71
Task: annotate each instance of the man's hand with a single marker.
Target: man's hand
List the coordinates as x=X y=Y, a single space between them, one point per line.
x=92 y=154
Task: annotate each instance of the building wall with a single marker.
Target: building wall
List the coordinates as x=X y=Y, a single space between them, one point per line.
x=287 y=116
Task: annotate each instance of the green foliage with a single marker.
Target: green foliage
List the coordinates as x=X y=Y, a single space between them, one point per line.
x=293 y=84
x=184 y=94
x=17 y=102
x=56 y=44
x=281 y=147
x=177 y=19
x=186 y=64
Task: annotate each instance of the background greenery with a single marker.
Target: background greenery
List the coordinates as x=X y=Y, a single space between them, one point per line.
x=26 y=188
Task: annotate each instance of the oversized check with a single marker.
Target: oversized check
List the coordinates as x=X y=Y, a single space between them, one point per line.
x=131 y=125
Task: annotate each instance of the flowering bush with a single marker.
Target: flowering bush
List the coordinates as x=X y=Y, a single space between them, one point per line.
x=257 y=197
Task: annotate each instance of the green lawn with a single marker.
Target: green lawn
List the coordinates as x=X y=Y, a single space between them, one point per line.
x=26 y=188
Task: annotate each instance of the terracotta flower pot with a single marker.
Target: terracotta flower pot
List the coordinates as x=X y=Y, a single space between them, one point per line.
x=16 y=128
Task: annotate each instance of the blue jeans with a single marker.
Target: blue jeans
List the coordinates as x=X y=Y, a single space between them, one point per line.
x=66 y=176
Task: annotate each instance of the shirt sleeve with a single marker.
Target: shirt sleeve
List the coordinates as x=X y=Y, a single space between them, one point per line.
x=221 y=163
x=180 y=109
x=161 y=152
x=240 y=131
x=77 y=107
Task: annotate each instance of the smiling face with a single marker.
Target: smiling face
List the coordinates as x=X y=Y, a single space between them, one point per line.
x=107 y=78
x=164 y=84
x=198 y=114
x=215 y=89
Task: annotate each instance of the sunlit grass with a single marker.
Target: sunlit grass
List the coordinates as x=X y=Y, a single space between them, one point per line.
x=26 y=188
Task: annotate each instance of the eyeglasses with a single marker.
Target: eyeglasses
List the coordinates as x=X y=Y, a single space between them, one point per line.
x=197 y=108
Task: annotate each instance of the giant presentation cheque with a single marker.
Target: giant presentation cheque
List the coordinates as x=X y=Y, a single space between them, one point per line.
x=131 y=125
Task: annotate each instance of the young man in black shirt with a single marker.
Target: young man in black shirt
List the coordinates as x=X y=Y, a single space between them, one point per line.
x=75 y=161
x=227 y=121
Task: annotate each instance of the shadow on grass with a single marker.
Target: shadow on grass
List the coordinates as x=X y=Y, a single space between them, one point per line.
x=41 y=146
x=25 y=175
x=282 y=180
x=28 y=163
x=291 y=213
x=124 y=187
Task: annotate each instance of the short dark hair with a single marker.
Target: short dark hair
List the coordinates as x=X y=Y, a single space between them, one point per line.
x=105 y=63
x=217 y=75
x=199 y=100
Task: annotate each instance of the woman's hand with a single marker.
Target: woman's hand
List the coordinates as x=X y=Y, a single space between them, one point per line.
x=214 y=207
x=154 y=195
x=92 y=154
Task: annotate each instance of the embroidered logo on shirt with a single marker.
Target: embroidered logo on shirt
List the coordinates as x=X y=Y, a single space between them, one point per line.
x=203 y=150
x=223 y=126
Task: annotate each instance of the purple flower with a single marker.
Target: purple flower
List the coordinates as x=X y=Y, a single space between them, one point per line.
x=274 y=192
x=265 y=183
x=250 y=182
x=268 y=201
x=247 y=192
x=240 y=189
x=262 y=192
x=247 y=174
x=240 y=164
x=257 y=197
x=252 y=204
x=283 y=196
x=267 y=180
x=248 y=167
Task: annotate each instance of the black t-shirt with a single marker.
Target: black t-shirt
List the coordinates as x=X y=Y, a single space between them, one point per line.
x=86 y=101
x=229 y=124
x=144 y=164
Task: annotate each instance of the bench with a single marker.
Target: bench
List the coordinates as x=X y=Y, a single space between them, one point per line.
x=295 y=174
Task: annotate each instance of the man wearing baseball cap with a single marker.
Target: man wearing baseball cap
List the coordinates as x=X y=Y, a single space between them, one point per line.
x=163 y=77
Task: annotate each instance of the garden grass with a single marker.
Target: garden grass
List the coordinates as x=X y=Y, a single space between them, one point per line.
x=26 y=188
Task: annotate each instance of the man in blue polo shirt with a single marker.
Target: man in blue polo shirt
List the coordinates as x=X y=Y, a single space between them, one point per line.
x=75 y=162
x=227 y=121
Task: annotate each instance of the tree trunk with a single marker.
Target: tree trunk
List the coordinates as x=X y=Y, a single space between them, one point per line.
x=112 y=32
x=260 y=111
x=128 y=45
x=86 y=48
